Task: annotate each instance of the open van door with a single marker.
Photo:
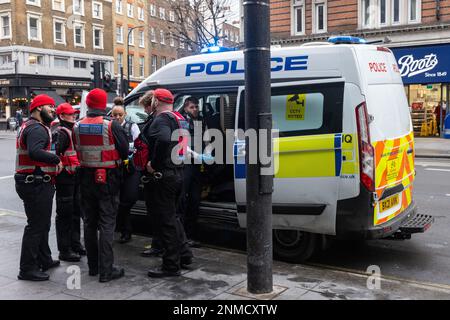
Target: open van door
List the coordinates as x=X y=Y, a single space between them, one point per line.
x=308 y=153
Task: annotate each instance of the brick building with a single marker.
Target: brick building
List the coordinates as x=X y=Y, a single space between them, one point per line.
x=48 y=46
x=231 y=35
x=417 y=31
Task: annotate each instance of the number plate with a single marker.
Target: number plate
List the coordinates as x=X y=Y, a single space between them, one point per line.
x=389 y=203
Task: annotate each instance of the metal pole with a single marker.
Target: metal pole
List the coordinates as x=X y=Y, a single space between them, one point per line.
x=121 y=91
x=128 y=59
x=258 y=117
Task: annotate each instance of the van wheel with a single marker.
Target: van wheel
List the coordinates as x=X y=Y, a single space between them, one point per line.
x=293 y=245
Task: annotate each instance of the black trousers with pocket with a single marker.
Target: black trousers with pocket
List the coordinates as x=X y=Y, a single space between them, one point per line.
x=37 y=200
x=100 y=203
x=164 y=197
x=129 y=194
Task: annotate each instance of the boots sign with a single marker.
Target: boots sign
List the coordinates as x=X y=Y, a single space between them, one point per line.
x=427 y=64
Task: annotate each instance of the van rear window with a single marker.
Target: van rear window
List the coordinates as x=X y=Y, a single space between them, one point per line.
x=304 y=110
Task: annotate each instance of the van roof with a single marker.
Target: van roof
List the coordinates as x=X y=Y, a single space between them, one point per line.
x=287 y=63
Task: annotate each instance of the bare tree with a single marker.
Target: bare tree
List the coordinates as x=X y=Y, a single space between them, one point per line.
x=199 y=22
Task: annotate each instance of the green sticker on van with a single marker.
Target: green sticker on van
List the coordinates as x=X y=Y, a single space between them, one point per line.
x=295 y=107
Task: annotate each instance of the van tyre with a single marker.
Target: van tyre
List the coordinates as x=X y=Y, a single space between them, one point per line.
x=294 y=245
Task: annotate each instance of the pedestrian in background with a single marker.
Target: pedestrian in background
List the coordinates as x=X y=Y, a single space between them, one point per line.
x=129 y=190
x=166 y=185
x=101 y=144
x=66 y=197
x=36 y=168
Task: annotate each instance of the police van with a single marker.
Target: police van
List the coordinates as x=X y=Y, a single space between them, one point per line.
x=345 y=151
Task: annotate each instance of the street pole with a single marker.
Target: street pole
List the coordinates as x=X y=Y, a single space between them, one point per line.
x=121 y=91
x=128 y=55
x=258 y=117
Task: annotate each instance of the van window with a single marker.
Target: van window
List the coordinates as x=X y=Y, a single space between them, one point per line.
x=135 y=112
x=304 y=110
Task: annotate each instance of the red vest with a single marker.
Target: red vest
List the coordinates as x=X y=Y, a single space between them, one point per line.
x=24 y=164
x=183 y=126
x=94 y=143
x=69 y=158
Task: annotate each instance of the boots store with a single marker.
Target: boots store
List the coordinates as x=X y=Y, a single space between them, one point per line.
x=425 y=71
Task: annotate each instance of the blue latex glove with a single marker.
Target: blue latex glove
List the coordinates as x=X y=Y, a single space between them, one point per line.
x=207 y=157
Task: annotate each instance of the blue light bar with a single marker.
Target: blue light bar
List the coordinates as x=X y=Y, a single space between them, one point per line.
x=347 y=40
x=215 y=49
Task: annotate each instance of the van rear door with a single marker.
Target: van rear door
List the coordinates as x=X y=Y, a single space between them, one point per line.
x=391 y=132
x=307 y=155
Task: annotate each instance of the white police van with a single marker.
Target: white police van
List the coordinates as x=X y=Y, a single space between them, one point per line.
x=345 y=152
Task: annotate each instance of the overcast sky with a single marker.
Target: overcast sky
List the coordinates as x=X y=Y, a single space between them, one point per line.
x=235 y=10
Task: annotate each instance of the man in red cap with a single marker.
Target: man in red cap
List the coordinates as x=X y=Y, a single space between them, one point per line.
x=67 y=206
x=101 y=145
x=36 y=167
x=167 y=184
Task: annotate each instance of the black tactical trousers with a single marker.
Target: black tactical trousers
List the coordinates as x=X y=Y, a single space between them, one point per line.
x=156 y=242
x=100 y=204
x=64 y=216
x=190 y=199
x=164 y=197
x=129 y=194
x=37 y=201
x=77 y=216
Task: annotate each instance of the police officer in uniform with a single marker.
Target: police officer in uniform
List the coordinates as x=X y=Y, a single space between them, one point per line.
x=166 y=186
x=36 y=167
x=129 y=190
x=101 y=145
x=66 y=183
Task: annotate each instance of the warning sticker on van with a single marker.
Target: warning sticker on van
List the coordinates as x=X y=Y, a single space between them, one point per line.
x=295 y=107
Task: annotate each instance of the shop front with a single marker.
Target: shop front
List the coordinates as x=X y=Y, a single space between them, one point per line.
x=425 y=71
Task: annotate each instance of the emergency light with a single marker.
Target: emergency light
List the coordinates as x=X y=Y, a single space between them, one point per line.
x=346 y=40
x=215 y=49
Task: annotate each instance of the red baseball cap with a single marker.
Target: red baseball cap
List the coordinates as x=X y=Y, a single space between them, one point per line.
x=97 y=99
x=65 y=108
x=163 y=95
x=41 y=100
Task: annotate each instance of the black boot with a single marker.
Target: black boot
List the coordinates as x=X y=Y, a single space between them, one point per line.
x=33 y=276
x=115 y=274
x=69 y=256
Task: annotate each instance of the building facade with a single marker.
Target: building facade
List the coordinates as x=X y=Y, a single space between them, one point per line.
x=230 y=35
x=417 y=31
x=48 y=46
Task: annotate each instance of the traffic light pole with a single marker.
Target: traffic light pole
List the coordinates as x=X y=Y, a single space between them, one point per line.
x=259 y=187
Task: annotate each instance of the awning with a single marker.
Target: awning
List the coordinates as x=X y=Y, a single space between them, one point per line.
x=58 y=99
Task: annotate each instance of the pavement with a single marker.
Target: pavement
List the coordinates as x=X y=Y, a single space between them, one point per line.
x=432 y=147
x=216 y=274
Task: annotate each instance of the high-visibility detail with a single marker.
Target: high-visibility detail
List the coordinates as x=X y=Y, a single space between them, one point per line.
x=24 y=164
x=94 y=143
x=394 y=165
x=307 y=156
x=69 y=158
x=350 y=161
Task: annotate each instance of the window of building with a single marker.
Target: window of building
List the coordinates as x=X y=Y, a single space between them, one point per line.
x=78 y=31
x=119 y=8
x=130 y=37
x=383 y=12
x=141 y=13
x=395 y=11
x=366 y=13
x=172 y=40
x=97 y=10
x=413 y=10
x=163 y=61
x=5 y=58
x=119 y=34
x=78 y=7
x=162 y=13
x=5 y=26
x=59 y=32
x=154 y=63
x=298 y=17
x=130 y=63
x=152 y=34
x=35 y=60
x=119 y=60
x=320 y=17
x=152 y=10
x=98 y=38
x=141 y=67
x=141 y=39
x=34 y=2
x=79 y=64
x=182 y=44
x=163 y=38
x=34 y=28
x=172 y=16
x=61 y=63
x=58 y=5
x=130 y=10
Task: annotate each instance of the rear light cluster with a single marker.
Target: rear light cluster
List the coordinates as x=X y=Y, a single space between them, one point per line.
x=366 y=151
